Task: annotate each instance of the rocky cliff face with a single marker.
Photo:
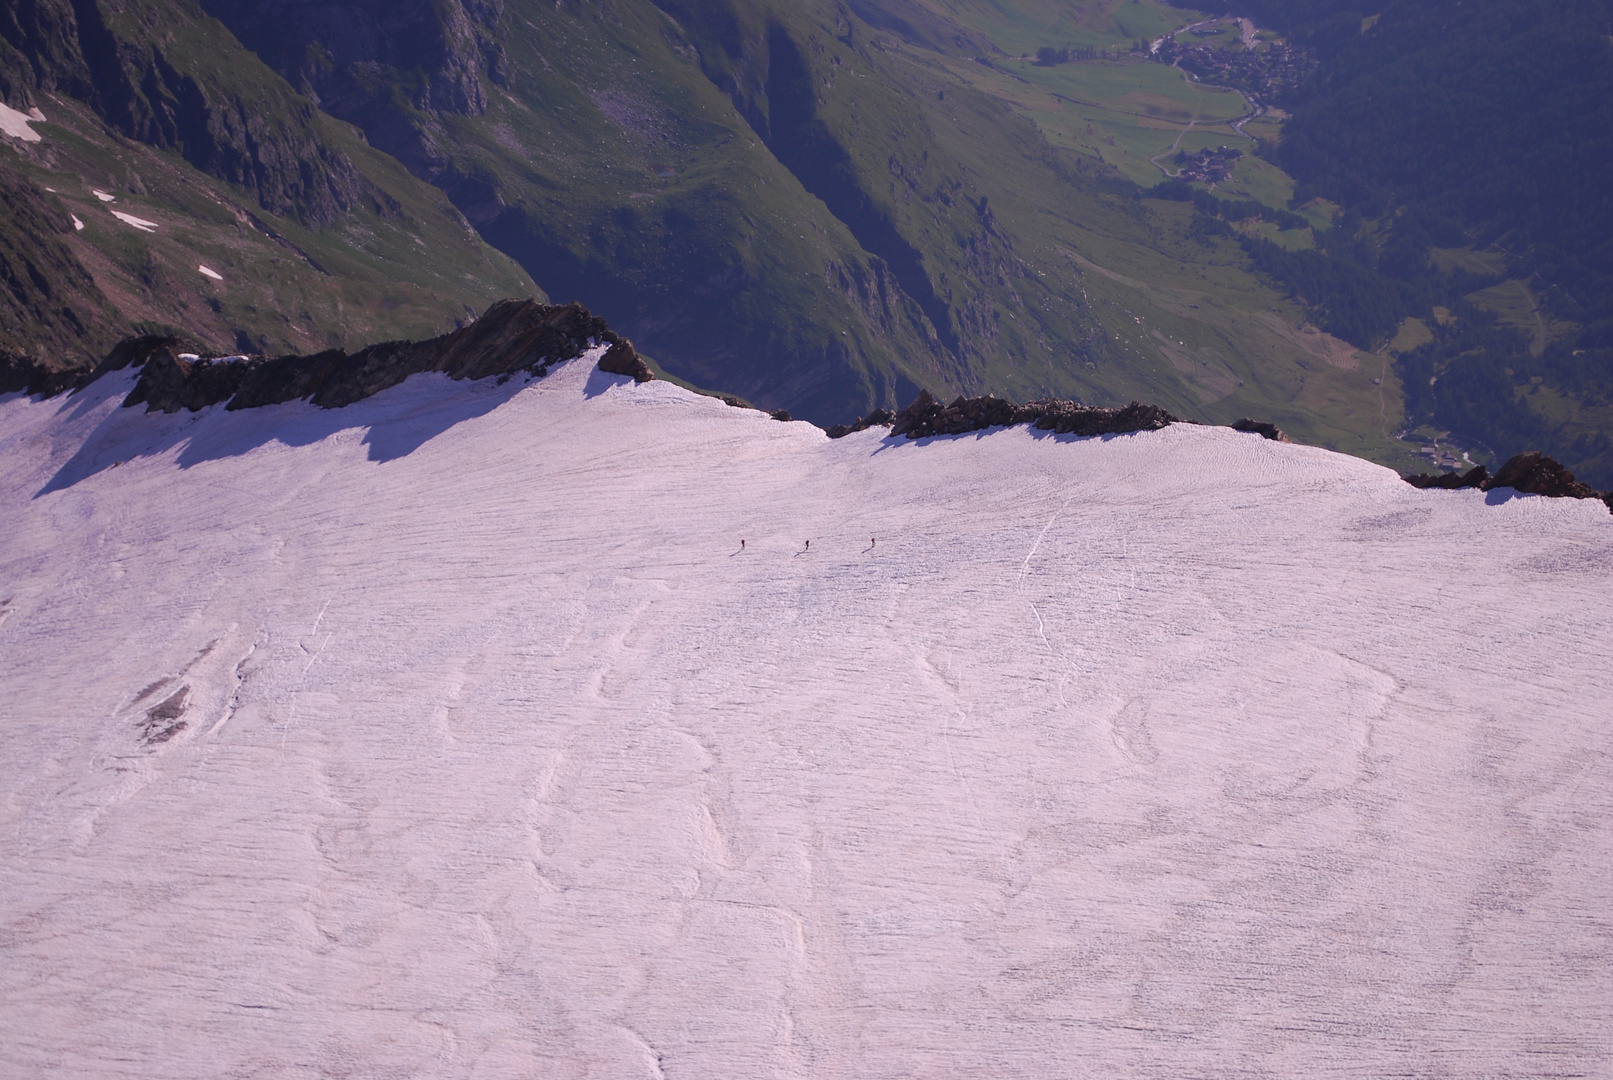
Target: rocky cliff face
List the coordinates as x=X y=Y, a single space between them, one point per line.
x=391 y=68
x=172 y=182
x=50 y=305
x=159 y=74
x=450 y=45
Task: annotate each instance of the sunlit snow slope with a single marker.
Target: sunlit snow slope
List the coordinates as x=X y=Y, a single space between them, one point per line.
x=1180 y=754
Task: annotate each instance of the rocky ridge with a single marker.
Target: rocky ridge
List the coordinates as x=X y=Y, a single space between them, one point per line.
x=511 y=336
x=926 y=416
x=525 y=336
x=1531 y=472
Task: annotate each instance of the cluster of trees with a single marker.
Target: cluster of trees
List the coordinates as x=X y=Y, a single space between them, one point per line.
x=1349 y=297
x=1477 y=378
x=1349 y=300
x=1224 y=209
x=1454 y=124
x=1487 y=123
x=1048 y=56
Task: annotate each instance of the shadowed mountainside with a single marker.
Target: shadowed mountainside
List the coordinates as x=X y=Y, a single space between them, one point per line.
x=172 y=183
x=808 y=204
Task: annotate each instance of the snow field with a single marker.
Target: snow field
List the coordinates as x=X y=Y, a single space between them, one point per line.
x=138 y=222
x=1172 y=754
x=14 y=122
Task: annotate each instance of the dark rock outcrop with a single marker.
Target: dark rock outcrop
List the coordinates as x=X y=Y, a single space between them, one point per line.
x=622 y=359
x=512 y=336
x=1536 y=474
x=24 y=373
x=19 y=372
x=1531 y=472
x=1476 y=477
x=877 y=418
x=1073 y=418
x=926 y=416
x=169 y=383
x=1257 y=427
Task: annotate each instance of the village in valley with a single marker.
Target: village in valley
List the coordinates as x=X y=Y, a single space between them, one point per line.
x=1231 y=52
x=1210 y=166
x=1228 y=52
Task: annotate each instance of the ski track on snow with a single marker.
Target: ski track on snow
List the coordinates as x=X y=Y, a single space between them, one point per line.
x=1292 y=771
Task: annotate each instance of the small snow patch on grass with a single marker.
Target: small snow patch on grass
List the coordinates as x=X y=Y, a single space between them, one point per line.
x=129 y=219
x=16 y=123
x=103 y=196
x=78 y=226
x=206 y=272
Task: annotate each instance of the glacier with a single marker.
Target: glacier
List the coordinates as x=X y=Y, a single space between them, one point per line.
x=455 y=733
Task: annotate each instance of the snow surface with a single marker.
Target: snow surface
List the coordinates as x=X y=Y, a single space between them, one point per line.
x=103 y=196
x=206 y=271
x=1177 y=754
x=15 y=123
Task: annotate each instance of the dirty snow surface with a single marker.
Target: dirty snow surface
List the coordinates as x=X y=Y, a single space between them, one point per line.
x=454 y=734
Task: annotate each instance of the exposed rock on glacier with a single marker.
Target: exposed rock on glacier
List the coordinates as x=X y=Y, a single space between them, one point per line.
x=1259 y=427
x=512 y=336
x=1476 y=477
x=926 y=416
x=1532 y=473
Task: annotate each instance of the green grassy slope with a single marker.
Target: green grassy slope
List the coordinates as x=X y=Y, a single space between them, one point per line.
x=1095 y=292
x=813 y=205
x=625 y=178
x=1474 y=137
x=821 y=207
x=316 y=238
x=1024 y=26
x=1020 y=266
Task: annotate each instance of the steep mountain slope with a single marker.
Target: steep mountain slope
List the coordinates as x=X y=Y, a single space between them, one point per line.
x=1502 y=170
x=166 y=147
x=483 y=729
x=604 y=160
x=822 y=206
x=1468 y=140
